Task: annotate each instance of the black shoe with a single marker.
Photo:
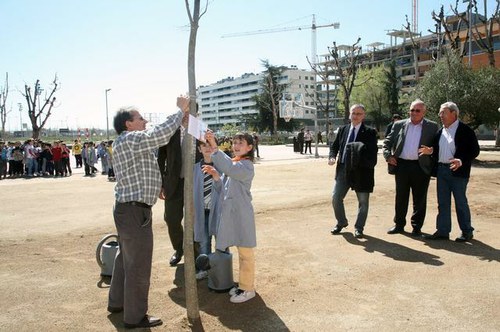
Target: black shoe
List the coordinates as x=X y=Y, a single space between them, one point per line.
x=464 y=237
x=416 y=232
x=176 y=257
x=337 y=229
x=115 y=310
x=147 y=321
x=396 y=230
x=436 y=236
x=358 y=234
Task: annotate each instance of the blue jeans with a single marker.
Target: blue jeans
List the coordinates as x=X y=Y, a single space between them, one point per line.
x=206 y=243
x=32 y=166
x=339 y=192
x=448 y=184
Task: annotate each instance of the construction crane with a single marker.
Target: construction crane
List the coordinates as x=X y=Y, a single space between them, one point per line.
x=414 y=15
x=313 y=28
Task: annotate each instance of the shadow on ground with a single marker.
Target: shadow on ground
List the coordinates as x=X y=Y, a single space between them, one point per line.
x=473 y=248
x=241 y=317
x=393 y=250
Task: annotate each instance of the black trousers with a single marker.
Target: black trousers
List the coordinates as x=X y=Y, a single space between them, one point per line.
x=174 y=212
x=410 y=177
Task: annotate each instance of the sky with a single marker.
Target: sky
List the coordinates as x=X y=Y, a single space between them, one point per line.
x=138 y=48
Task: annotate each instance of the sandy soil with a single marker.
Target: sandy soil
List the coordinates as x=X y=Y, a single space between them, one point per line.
x=307 y=279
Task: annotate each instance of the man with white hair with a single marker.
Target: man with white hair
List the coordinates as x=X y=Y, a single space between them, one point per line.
x=455 y=147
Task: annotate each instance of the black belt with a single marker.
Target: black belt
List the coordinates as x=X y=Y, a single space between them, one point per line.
x=407 y=160
x=444 y=164
x=139 y=204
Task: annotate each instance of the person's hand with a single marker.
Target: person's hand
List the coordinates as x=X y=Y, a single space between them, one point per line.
x=425 y=150
x=162 y=194
x=331 y=161
x=209 y=169
x=210 y=139
x=455 y=164
x=183 y=103
x=392 y=161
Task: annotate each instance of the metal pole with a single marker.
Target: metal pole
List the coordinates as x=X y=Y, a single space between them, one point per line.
x=107 y=117
x=20 y=117
x=313 y=56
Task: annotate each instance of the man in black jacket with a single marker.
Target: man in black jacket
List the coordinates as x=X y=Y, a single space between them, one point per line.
x=170 y=163
x=455 y=147
x=356 y=148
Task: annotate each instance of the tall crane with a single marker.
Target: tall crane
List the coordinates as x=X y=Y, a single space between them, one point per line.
x=414 y=15
x=313 y=28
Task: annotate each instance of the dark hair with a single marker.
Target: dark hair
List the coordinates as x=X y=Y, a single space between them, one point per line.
x=249 y=139
x=122 y=116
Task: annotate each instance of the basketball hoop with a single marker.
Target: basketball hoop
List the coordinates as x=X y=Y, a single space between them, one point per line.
x=286 y=110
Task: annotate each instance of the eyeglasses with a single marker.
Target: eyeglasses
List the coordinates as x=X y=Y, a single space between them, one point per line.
x=415 y=110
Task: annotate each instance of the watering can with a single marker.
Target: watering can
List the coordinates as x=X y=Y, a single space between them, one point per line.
x=220 y=270
x=106 y=253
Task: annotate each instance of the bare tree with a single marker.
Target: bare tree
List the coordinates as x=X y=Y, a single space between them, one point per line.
x=483 y=39
x=39 y=111
x=451 y=35
x=324 y=71
x=345 y=66
x=192 y=307
x=415 y=47
x=4 y=93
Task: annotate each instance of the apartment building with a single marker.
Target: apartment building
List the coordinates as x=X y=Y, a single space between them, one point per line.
x=230 y=99
x=413 y=54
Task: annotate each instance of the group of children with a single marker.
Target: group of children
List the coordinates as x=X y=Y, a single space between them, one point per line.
x=223 y=206
x=34 y=158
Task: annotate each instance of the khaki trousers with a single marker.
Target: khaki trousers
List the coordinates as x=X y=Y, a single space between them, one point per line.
x=246 y=268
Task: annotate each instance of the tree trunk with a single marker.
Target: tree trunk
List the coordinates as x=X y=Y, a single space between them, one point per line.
x=192 y=307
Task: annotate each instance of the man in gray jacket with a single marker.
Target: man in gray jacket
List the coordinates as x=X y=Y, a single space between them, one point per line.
x=404 y=150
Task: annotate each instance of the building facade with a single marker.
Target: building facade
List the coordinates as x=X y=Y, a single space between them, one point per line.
x=229 y=100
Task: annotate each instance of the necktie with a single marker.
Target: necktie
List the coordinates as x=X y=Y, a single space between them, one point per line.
x=352 y=135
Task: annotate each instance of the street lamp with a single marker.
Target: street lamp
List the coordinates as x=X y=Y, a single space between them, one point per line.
x=107 y=117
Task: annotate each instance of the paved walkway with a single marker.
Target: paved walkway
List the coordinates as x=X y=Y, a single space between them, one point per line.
x=275 y=153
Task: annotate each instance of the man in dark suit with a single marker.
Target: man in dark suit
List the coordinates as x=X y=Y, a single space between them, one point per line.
x=395 y=117
x=404 y=150
x=356 y=147
x=455 y=147
x=300 y=140
x=170 y=163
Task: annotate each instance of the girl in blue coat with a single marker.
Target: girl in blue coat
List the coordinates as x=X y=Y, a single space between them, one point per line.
x=237 y=222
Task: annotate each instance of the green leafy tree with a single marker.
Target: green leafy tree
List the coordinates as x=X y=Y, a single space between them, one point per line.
x=474 y=91
x=267 y=101
x=370 y=90
x=392 y=87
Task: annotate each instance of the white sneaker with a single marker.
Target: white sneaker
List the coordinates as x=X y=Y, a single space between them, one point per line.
x=201 y=275
x=233 y=291
x=242 y=296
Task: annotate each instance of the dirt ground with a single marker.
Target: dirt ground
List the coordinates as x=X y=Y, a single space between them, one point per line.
x=307 y=279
